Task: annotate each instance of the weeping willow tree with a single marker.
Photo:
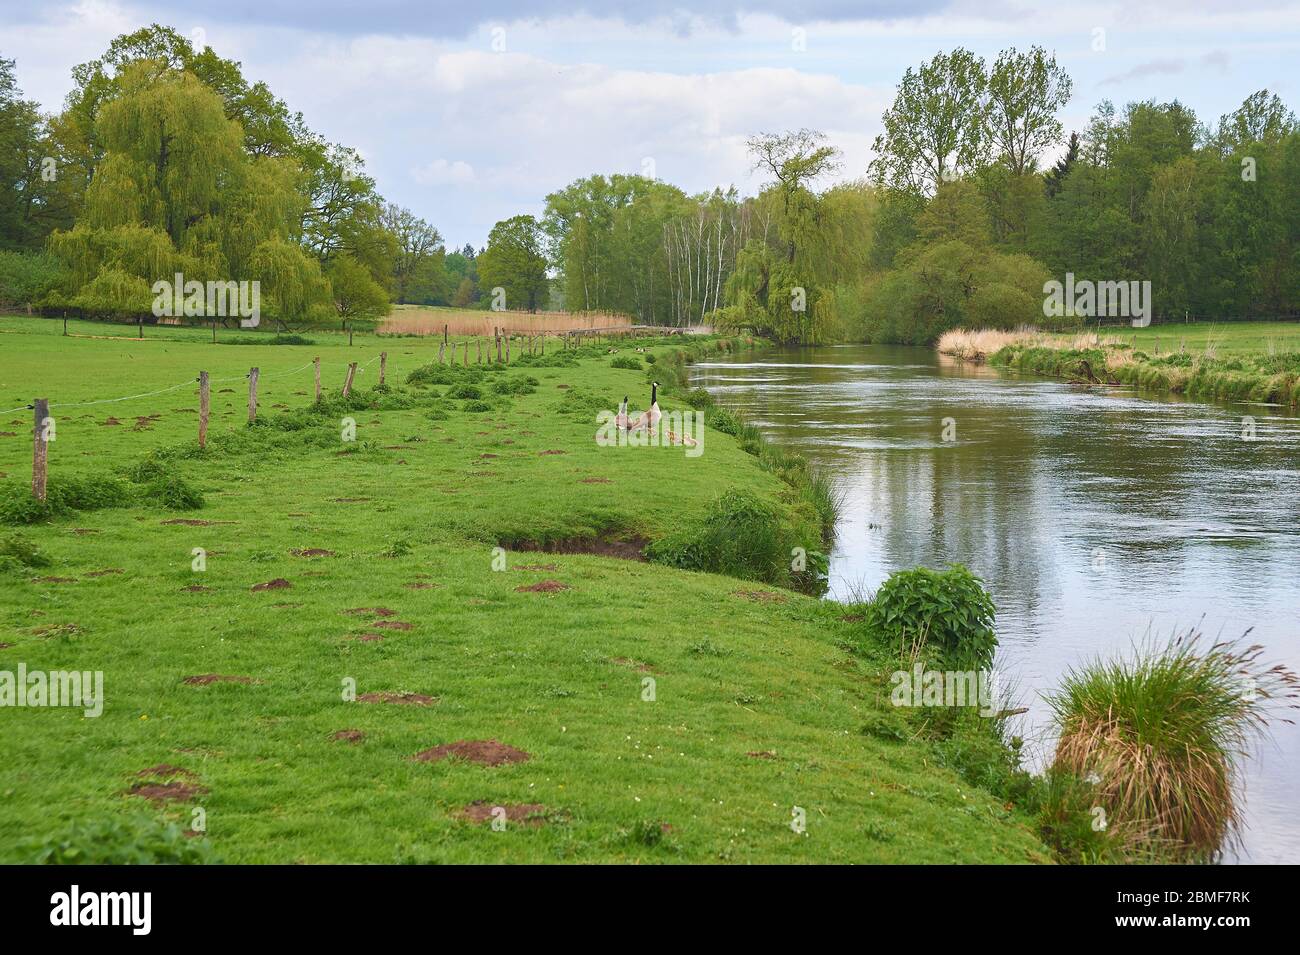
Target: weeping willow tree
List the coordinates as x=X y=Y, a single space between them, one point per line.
x=178 y=192
x=776 y=288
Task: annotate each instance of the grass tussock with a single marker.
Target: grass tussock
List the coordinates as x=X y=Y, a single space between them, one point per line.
x=1161 y=739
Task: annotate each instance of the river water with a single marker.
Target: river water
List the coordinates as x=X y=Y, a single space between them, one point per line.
x=1096 y=517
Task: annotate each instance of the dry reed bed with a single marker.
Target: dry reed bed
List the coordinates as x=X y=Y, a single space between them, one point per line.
x=428 y=321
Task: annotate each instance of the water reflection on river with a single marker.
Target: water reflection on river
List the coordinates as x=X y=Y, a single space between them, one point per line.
x=1093 y=515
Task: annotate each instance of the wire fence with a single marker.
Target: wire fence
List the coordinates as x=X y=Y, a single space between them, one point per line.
x=184 y=384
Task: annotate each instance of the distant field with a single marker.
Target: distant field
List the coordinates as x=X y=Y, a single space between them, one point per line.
x=1222 y=340
x=427 y=320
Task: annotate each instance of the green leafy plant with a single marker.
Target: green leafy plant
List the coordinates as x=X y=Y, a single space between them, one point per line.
x=946 y=613
x=137 y=840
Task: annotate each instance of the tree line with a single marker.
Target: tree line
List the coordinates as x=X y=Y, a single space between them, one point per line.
x=166 y=159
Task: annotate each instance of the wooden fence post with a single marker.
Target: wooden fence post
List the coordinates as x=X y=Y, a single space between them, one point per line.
x=349 y=333
x=442 y=347
x=507 y=348
x=444 y=334
x=65 y=324
x=543 y=345
x=252 y=394
x=316 y=362
x=383 y=365
x=40 y=445
x=496 y=332
x=480 y=349
x=204 y=392
x=214 y=329
x=347 y=384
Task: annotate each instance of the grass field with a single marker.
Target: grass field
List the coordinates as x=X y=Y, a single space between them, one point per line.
x=759 y=705
x=1217 y=340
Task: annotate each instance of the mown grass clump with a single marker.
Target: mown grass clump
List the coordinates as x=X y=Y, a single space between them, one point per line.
x=19 y=553
x=135 y=840
x=630 y=362
x=1162 y=738
x=742 y=536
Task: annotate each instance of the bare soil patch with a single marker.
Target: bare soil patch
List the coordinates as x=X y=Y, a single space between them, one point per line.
x=485 y=752
x=175 y=791
x=596 y=480
x=369 y=637
x=203 y=679
x=606 y=545
x=312 y=552
x=279 y=583
x=543 y=587
x=393 y=625
x=370 y=612
x=348 y=736
x=551 y=567
x=762 y=754
x=552 y=451
x=57 y=630
x=528 y=813
x=420 y=585
x=634 y=664
x=409 y=699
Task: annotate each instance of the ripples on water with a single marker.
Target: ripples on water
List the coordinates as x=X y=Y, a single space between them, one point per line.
x=1095 y=516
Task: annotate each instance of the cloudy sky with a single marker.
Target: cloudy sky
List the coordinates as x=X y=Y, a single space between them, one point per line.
x=471 y=111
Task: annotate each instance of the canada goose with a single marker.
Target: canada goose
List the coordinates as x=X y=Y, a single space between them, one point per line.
x=620 y=420
x=650 y=419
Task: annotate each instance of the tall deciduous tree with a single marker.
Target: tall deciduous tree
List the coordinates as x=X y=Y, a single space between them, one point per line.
x=1026 y=90
x=515 y=262
x=937 y=127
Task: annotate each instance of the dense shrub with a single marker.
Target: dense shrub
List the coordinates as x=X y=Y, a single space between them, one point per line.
x=947 y=615
x=630 y=362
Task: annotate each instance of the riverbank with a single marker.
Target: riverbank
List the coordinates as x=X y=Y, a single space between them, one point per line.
x=1258 y=362
x=355 y=673
x=1099 y=521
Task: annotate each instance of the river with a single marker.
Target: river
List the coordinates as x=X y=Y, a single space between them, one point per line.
x=1096 y=517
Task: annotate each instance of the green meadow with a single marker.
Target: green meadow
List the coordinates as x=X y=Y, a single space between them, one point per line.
x=667 y=715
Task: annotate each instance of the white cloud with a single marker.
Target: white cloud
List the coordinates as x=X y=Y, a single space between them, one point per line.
x=441 y=172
